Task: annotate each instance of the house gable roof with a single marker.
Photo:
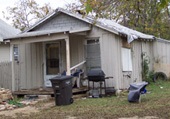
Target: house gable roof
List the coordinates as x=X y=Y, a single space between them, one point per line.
x=108 y=25
x=77 y=16
x=6 y=30
x=105 y=24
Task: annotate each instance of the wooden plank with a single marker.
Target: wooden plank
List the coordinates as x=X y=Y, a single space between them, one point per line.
x=47 y=91
x=52 y=37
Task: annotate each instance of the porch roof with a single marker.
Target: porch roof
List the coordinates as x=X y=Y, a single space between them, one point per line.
x=47 y=32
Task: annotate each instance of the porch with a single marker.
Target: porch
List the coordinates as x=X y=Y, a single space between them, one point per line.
x=41 y=57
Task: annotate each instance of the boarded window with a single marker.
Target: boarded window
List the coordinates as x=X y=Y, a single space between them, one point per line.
x=93 y=59
x=126 y=59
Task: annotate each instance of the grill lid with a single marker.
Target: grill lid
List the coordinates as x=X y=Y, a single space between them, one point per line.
x=95 y=72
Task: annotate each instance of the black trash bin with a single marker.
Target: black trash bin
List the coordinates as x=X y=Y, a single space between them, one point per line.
x=62 y=86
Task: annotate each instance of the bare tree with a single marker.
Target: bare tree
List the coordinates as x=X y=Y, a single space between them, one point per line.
x=26 y=12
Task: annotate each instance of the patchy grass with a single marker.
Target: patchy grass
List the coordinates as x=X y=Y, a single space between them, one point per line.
x=155 y=103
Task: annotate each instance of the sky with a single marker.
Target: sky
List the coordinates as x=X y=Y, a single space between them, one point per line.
x=11 y=3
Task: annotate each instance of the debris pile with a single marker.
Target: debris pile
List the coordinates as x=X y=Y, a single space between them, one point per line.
x=7 y=102
x=5 y=94
x=33 y=99
x=6 y=106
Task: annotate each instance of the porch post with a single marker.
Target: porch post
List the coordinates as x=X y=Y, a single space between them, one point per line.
x=13 y=75
x=68 y=56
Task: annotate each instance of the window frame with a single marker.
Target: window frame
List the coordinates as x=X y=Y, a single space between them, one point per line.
x=126 y=59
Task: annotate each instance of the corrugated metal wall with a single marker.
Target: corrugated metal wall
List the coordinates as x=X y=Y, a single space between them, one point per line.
x=161 y=52
x=161 y=57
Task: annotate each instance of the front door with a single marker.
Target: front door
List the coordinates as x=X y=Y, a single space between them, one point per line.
x=52 y=67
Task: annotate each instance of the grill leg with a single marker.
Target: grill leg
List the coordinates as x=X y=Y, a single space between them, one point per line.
x=105 y=86
x=93 y=85
x=101 y=88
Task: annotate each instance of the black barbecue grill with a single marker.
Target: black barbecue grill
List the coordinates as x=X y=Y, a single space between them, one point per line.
x=97 y=75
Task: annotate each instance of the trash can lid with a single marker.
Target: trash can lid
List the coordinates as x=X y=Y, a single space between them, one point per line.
x=62 y=77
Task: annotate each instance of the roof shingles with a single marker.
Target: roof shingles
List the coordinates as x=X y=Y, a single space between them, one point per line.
x=6 y=30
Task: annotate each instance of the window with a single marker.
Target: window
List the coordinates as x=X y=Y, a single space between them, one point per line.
x=93 y=41
x=126 y=59
x=16 y=54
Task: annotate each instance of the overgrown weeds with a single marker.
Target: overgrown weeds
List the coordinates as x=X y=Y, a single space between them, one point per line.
x=16 y=102
x=147 y=74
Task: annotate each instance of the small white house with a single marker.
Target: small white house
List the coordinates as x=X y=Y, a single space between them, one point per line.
x=6 y=31
x=65 y=41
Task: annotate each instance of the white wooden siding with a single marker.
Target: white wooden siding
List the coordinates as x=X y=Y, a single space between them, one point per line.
x=4 y=52
x=111 y=45
x=77 y=54
x=137 y=61
x=31 y=59
x=111 y=59
x=31 y=55
x=147 y=48
x=6 y=75
x=30 y=65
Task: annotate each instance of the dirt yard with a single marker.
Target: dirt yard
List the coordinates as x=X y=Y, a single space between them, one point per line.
x=155 y=105
x=33 y=109
x=29 y=109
